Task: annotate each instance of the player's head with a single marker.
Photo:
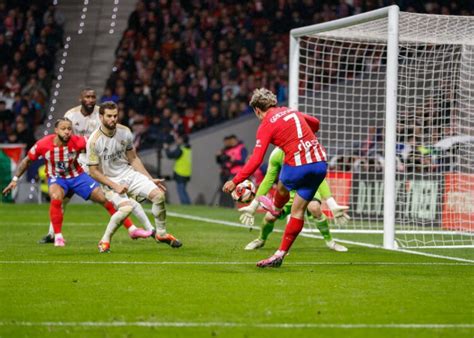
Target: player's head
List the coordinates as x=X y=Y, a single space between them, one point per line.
x=262 y=100
x=108 y=113
x=88 y=100
x=63 y=129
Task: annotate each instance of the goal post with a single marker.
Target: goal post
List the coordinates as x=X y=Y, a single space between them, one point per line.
x=389 y=88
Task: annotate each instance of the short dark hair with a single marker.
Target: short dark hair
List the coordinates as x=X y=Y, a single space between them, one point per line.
x=61 y=119
x=107 y=105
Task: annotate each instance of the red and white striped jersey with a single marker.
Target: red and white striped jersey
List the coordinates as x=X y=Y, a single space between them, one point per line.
x=290 y=130
x=61 y=161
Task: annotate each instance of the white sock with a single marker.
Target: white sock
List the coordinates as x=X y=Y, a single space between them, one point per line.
x=114 y=223
x=58 y=235
x=141 y=215
x=132 y=229
x=159 y=212
x=51 y=230
x=280 y=252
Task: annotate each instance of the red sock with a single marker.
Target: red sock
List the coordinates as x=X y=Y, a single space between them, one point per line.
x=293 y=228
x=127 y=222
x=279 y=201
x=56 y=215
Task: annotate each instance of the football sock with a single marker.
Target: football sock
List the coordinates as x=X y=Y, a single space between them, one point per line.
x=293 y=228
x=159 y=213
x=51 y=229
x=127 y=223
x=141 y=215
x=115 y=220
x=324 y=189
x=279 y=201
x=266 y=230
x=323 y=225
x=56 y=215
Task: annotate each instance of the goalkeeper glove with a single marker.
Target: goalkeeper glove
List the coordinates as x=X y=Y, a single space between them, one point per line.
x=341 y=218
x=247 y=217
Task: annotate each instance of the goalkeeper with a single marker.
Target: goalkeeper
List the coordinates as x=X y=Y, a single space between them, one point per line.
x=314 y=208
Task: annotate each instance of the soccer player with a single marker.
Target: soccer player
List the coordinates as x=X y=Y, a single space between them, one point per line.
x=314 y=207
x=303 y=170
x=60 y=152
x=113 y=162
x=85 y=119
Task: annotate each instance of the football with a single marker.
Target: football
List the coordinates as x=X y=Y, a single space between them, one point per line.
x=244 y=192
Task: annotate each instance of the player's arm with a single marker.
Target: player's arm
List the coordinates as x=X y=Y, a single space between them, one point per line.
x=137 y=164
x=274 y=166
x=24 y=164
x=93 y=162
x=339 y=211
x=312 y=122
x=33 y=154
x=255 y=160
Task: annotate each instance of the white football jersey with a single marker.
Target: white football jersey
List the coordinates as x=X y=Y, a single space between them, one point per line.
x=83 y=125
x=109 y=153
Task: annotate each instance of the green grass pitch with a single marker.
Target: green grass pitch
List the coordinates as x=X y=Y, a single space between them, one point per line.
x=211 y=287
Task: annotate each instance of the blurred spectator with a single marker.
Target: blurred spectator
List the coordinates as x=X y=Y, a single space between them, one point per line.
x=182 y=171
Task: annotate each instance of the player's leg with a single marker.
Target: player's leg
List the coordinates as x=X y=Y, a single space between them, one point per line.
x=49 y=237
x=57 y=191
x=158 y=209
x=281 y=197
x=322 y=223
x=305 y=180
x=139 y=213
x=133 y=231
x=267 y=227
x=124 y=208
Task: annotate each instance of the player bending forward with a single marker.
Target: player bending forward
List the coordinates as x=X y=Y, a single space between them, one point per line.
x=85 y=119
x=60 y=152
x=304 y=168
x=314 y=207
x=114 y=163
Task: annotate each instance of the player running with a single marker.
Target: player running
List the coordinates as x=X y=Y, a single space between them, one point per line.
x=113 y=162
x=303 y=170
x=314 y=207
x=85 y=119
x=60 y=152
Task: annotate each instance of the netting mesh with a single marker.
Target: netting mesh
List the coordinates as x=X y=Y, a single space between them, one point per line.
x=342 y=77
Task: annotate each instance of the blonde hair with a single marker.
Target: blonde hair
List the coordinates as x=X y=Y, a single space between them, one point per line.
x=263 y=99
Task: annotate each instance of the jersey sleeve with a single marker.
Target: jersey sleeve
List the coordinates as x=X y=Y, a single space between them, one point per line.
x=274 y=166
x=92 y=155
x=81 y=143
x=129 y=140
x=261 y=146
x=35 y=152
x=312 y=122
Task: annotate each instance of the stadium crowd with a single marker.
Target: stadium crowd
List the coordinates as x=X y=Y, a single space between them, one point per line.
x=181 y=66
x=30 y=36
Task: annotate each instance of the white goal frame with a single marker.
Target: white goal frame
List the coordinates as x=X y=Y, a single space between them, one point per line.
x=392 y=14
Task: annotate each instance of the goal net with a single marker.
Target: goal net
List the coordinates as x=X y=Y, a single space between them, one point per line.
x=411 y=145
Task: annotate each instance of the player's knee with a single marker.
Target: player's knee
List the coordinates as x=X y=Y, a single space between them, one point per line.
x=157 y=198
x=315 y=209
x=269 y=217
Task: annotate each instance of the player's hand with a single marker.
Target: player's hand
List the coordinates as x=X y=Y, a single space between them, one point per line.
x=159 y=183
x=247 y=217
x=228 y=187
x=9 y=187
x=120 y=189
x=340 y=215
